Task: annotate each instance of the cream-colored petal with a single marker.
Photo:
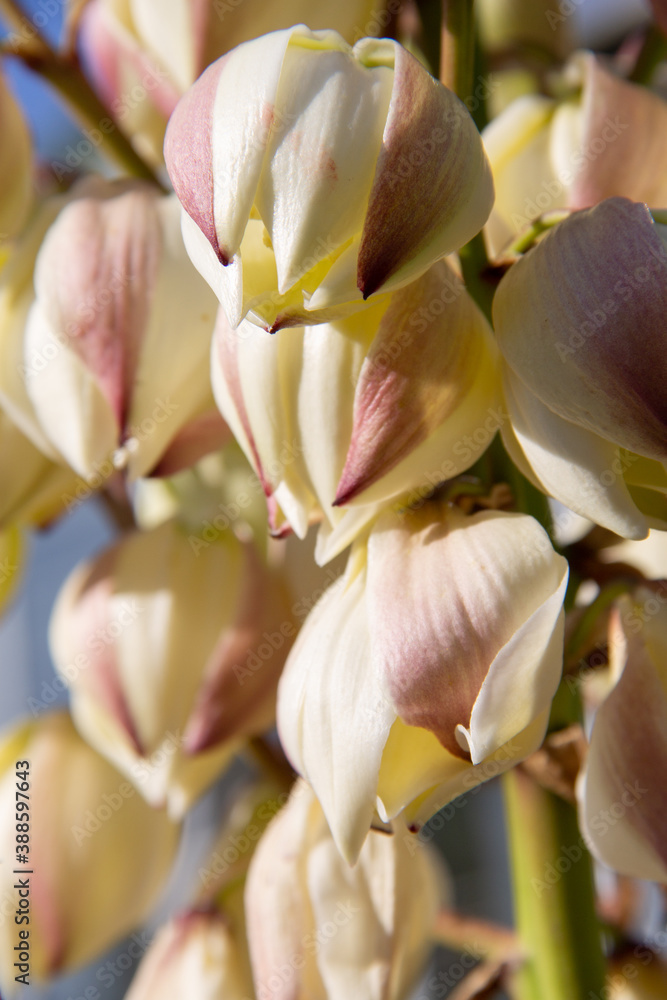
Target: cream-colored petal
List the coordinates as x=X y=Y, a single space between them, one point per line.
x=624 y=138
x=430 y=373
x=317 y=178
x=574 y=465
x=332 y=718
x=580 y=320
x=622 y=803
x=517 y=145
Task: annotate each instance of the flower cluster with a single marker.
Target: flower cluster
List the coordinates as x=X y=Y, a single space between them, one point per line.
x=344 y=371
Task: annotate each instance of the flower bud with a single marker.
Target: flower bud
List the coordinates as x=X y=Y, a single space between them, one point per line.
x=314 y=175
x=15 y=165
x=196 y=954
x=114 y=348
x=172 y=646
x=93 y=861
x=339 y=419
x=143 y=55
x=585 y=371
x=318 y=929
x=608 y=139
x=621 y=790
x=428 y=668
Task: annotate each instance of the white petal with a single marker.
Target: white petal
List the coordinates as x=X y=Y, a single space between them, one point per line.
x=332 y=718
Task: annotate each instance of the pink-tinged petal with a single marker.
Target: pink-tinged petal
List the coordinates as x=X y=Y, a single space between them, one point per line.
x=572 y=464
x=581 y=321
x=625 y=129
x=195 y=954
x=237 y=694
x=333 y=720
x=188 y=154
x=432 y=189
x=227 y=355
x=446 y=593
x=422 y=363
x=623 y=810
x=81 y=617
x=95 y=276
x=115 y=62
x=245 y=117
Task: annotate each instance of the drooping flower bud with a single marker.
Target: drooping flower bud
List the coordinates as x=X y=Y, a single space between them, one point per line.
x=94 y=858
x=318 y=929
x=314 y=175
x=113 y=351
x=621 y=790
x=580 y=323
x=339 y=419
x=172 y=647
x=608 y=139
x=427 y=669
x=196 y=954
x=142 y=55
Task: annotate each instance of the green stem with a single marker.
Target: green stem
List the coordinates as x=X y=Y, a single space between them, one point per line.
x=71 y=84
x=553 y=896
x=457 y=51
x=479 y=277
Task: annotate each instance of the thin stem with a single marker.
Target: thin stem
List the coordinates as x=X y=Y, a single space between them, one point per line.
x=553 y=895
x=478 y=937
x=66 y=77
x=457 y=50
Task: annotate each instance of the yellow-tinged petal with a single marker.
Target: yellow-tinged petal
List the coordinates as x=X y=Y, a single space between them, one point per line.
x=83 y=814
x=470 y=645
